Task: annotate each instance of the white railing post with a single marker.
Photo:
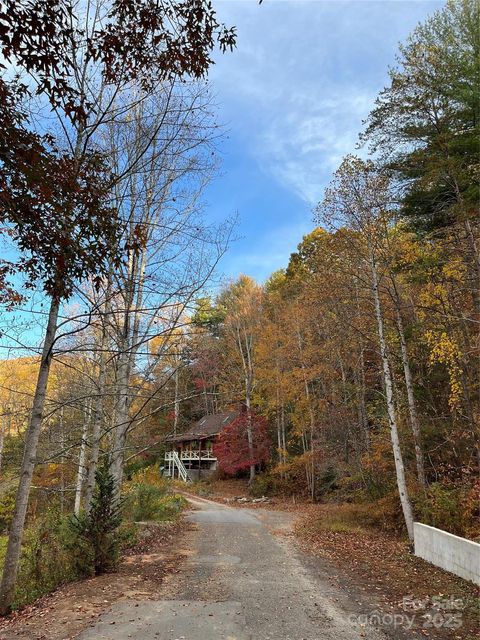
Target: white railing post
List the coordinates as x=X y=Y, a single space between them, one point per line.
x=191 y=455
x=175 y=460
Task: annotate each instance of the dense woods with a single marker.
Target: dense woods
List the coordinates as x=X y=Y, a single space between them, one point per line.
x=358 y=363
x=363 y=353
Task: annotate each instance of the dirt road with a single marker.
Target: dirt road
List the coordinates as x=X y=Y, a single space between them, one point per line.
x=243 y=581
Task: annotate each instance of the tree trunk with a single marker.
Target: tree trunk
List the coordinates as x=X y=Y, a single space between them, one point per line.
x=12 y=557
x=205 y=397
x=412 y=407
x=284 y=438
x=81 y=462
x=176 y=403
x=392 y=419
x=361 y=405
x=312 y=451
x=128 y=345
x=244 y=349
x=310 y=472
x=248 y=403
x=62 y=461
x=97 y=424
x=3 y=425
x=122 y=422
x=279 y=427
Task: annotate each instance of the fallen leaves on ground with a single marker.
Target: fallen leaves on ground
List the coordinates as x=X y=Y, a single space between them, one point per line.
x=378 y=562
x=61 y=615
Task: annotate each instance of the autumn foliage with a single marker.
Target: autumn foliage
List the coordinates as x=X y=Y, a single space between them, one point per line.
x=232 y=449
x=360 y=358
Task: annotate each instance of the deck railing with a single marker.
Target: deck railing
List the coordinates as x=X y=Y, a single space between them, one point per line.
x=191 y=455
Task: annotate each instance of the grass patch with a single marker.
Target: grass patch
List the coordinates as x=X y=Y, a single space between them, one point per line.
x=337 y=524
x=353 y=517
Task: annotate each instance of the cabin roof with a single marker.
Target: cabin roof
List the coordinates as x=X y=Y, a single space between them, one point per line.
x=205 y=427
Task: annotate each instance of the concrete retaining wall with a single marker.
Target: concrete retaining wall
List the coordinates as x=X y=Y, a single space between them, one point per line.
x=203 y=475
x=455 y=554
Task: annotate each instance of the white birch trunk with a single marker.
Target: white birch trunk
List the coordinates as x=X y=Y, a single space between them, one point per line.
x=279 y=428
x=81 y=462
x=284 y=439
x=248 y=403
x=128 y=351
x=244 y=348
x=62 y=461
x=12 y=557
x=392 y=419
x=121 y=421
x=310 y=469
x=176 y=403
x=412 y=407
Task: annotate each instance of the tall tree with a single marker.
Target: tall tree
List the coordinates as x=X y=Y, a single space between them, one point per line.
x=54 y=200
x=425 y=128
x=241 y=301
x=359 y=197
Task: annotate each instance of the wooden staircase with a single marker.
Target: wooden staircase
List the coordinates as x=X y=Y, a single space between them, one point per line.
x=176 y=463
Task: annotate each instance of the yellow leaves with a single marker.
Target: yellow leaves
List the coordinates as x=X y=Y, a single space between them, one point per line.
x=432 y=296
x=454 y=270
x=378 y=461
x=150 y=475
x=282 y=453
x=168 y=343
x=444 y=350
x=48 y=475
x=404 y=247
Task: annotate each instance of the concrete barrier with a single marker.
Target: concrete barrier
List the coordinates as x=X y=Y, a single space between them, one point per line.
x=455 y=554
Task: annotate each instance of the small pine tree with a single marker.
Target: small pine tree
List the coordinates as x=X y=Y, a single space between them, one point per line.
x=97 y=532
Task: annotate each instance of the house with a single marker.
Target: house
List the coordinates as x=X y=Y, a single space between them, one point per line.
x=190 y=455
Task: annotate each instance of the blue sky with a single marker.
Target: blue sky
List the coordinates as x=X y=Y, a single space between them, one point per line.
x=292 y=97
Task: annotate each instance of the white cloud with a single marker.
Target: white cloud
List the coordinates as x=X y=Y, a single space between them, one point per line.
x=304 y=76
x=293 y=96
x=304 y=146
